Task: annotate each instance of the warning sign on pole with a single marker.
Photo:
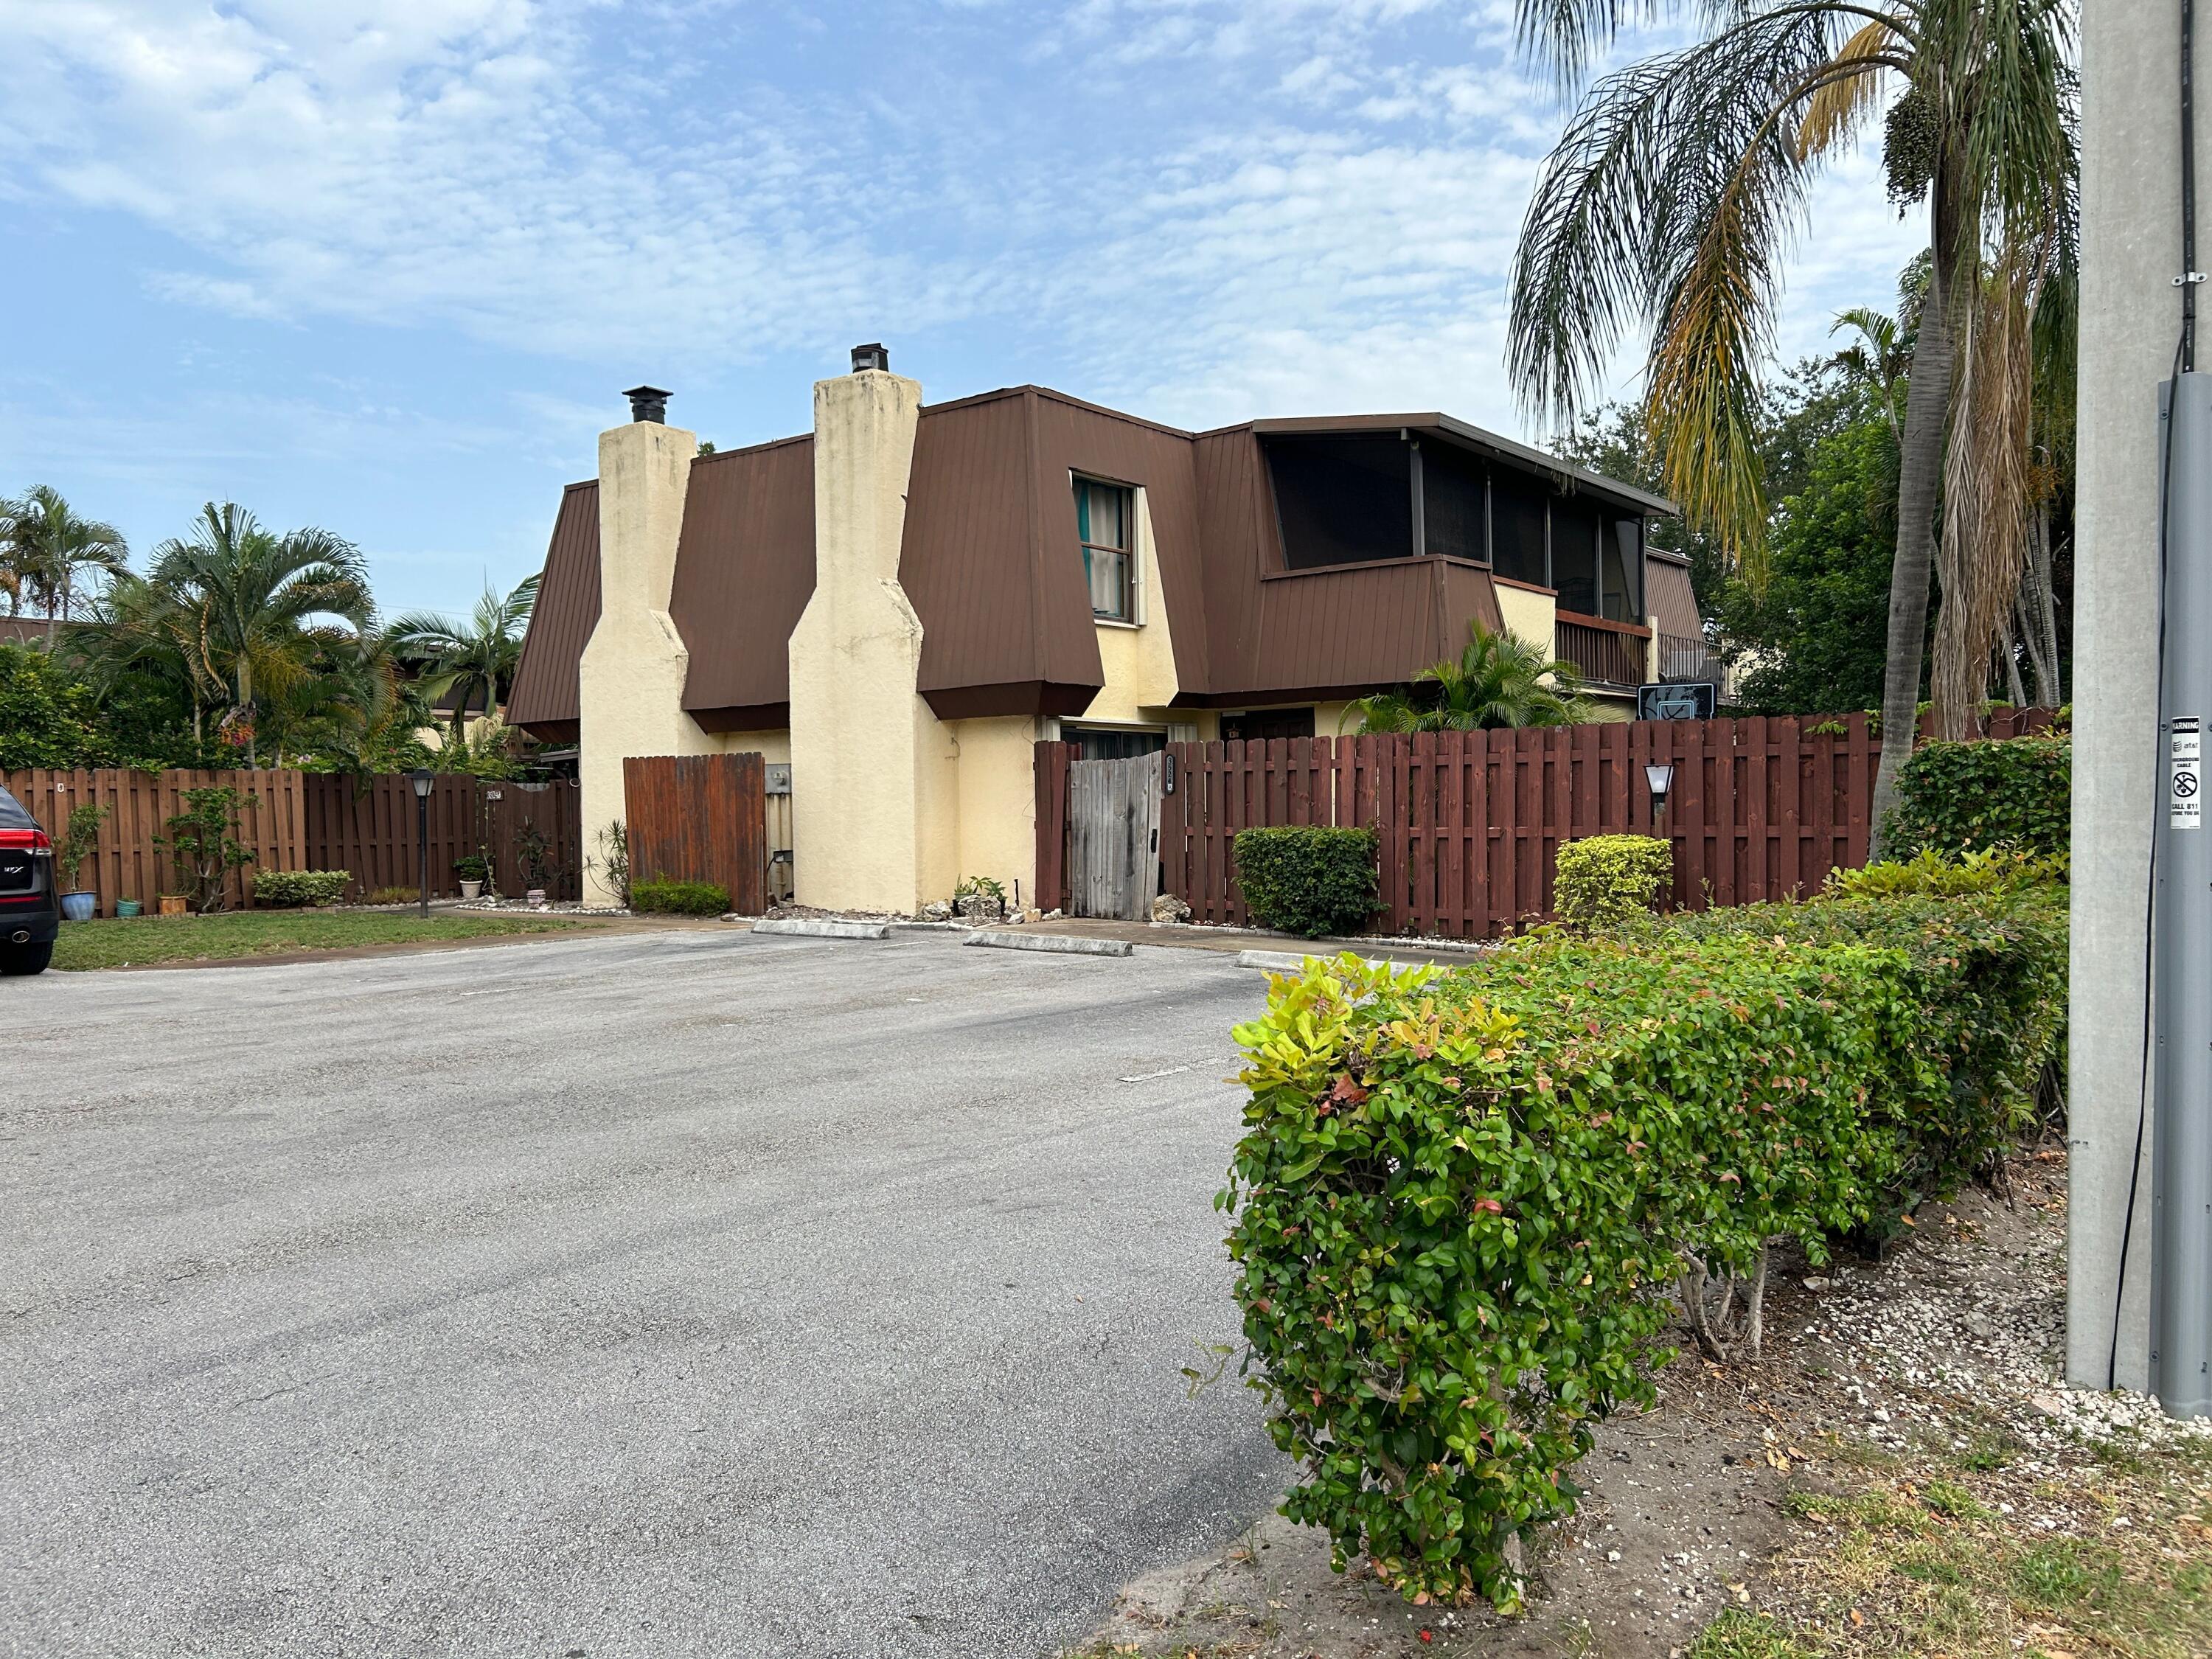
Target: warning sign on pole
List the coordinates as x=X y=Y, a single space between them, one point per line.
x=2185 y=795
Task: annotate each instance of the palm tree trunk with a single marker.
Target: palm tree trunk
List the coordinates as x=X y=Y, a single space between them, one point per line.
x=50 y=609
x=1920 y=470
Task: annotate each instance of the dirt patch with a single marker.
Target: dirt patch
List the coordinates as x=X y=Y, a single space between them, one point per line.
x=1712 y=1523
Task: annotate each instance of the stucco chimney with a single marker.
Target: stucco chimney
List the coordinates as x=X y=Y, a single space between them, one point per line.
x=630 y=680
x=866 y=751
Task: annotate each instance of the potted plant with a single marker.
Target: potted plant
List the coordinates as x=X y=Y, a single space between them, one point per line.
x=79 y=842
x=533 y=858
x=474 y=869
x=172 y=904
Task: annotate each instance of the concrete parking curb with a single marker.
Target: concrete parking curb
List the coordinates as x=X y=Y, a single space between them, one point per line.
x=1061 y=944
x=821 y=927
x=1291 y=962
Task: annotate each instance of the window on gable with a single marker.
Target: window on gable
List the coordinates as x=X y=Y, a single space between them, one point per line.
x=1106 y=524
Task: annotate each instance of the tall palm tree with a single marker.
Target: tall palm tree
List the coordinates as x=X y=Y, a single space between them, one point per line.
x=1498 y=680
x=468 y=657
x=1672 y=201
x=249 y=596
x=45 y=546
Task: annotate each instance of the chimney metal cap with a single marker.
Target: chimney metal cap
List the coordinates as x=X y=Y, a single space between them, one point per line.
x=649 y=403
x=874 y=355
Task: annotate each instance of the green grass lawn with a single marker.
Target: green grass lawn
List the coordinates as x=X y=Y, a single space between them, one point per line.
x=142 y=940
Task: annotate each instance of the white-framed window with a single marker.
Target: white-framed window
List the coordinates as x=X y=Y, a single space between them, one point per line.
x=1106 y=525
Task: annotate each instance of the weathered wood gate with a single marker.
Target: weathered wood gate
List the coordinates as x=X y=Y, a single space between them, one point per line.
x=700 y=817
x=1114 y=836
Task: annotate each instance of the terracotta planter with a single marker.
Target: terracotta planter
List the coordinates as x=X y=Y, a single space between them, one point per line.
x=172 y=904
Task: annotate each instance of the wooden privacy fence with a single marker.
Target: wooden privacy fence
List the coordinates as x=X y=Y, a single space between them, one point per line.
x=367 y=826
x=700 y=817
x=1469 y=824
x=310 y=821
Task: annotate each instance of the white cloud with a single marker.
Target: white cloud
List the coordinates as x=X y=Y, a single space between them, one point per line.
x=1319 y=214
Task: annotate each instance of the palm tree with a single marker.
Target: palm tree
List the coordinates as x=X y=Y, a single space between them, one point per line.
x=1880 y=360
x=1498 y=680
x=1671 y=202
x=247 y=597
x=44 y=545
x=465 y=658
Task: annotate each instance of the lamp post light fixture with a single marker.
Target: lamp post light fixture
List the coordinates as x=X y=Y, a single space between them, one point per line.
x=420 y=779
x=1660 y=776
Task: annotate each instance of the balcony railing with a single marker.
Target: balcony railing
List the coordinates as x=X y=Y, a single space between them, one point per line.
x=1688 y=660
x=1609 y=654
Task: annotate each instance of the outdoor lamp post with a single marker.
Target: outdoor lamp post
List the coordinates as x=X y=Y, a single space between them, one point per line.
x=420 y=779
x=1660 y=776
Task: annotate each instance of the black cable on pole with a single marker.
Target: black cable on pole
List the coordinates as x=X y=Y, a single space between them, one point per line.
x=2189 y=275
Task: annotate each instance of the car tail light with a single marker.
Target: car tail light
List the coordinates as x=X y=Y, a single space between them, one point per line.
x=36 y=839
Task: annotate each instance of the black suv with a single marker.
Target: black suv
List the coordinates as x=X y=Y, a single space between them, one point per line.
x=30 y=914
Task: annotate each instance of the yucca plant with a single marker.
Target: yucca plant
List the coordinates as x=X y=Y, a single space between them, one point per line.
x=1672 y=202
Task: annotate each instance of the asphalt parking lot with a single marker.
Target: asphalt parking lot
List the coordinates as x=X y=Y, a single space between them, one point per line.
x=674 y=1294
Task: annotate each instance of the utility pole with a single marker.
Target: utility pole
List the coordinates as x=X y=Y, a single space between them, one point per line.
x=2139 y=1281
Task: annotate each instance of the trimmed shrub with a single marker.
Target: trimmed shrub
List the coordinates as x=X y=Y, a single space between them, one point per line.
x=679 y=898
x=1995 y=870
x=279 y=887
x=1308 y=879
x=1463 y=1200
x=1606 y=879
x=393 y=895
x=1961 y=797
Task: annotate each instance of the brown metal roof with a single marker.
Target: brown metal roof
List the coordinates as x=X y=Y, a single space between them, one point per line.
x=544 y=699
x=745 y=569
x=991 y=565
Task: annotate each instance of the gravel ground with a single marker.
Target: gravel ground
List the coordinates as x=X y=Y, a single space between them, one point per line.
x=1699 y=1507
x=652 y=1294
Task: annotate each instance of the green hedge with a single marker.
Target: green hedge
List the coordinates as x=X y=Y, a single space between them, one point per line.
x=2009 y=792
x=1462 y=1200
x=1309 y=879
x=1605 y=878
x=679 y=898
x=287 y=888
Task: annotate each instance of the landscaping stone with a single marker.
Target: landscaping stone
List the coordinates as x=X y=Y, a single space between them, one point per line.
x=980 y=907
x=1167 y=908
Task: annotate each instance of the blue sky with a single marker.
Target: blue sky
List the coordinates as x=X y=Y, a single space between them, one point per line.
x=385 y=265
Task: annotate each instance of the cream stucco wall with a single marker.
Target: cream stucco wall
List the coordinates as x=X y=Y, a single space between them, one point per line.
x=995 y=832
x=631 y=677
x=1530 y=617
x=872 y=777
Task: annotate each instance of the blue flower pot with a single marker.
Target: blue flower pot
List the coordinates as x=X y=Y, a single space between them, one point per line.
x=79 y=907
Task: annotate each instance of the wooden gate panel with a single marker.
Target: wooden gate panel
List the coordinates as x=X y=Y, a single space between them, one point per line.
x=700 y=817
x=1114 y=836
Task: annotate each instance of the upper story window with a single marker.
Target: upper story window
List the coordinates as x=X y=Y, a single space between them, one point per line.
x=1106 y=523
